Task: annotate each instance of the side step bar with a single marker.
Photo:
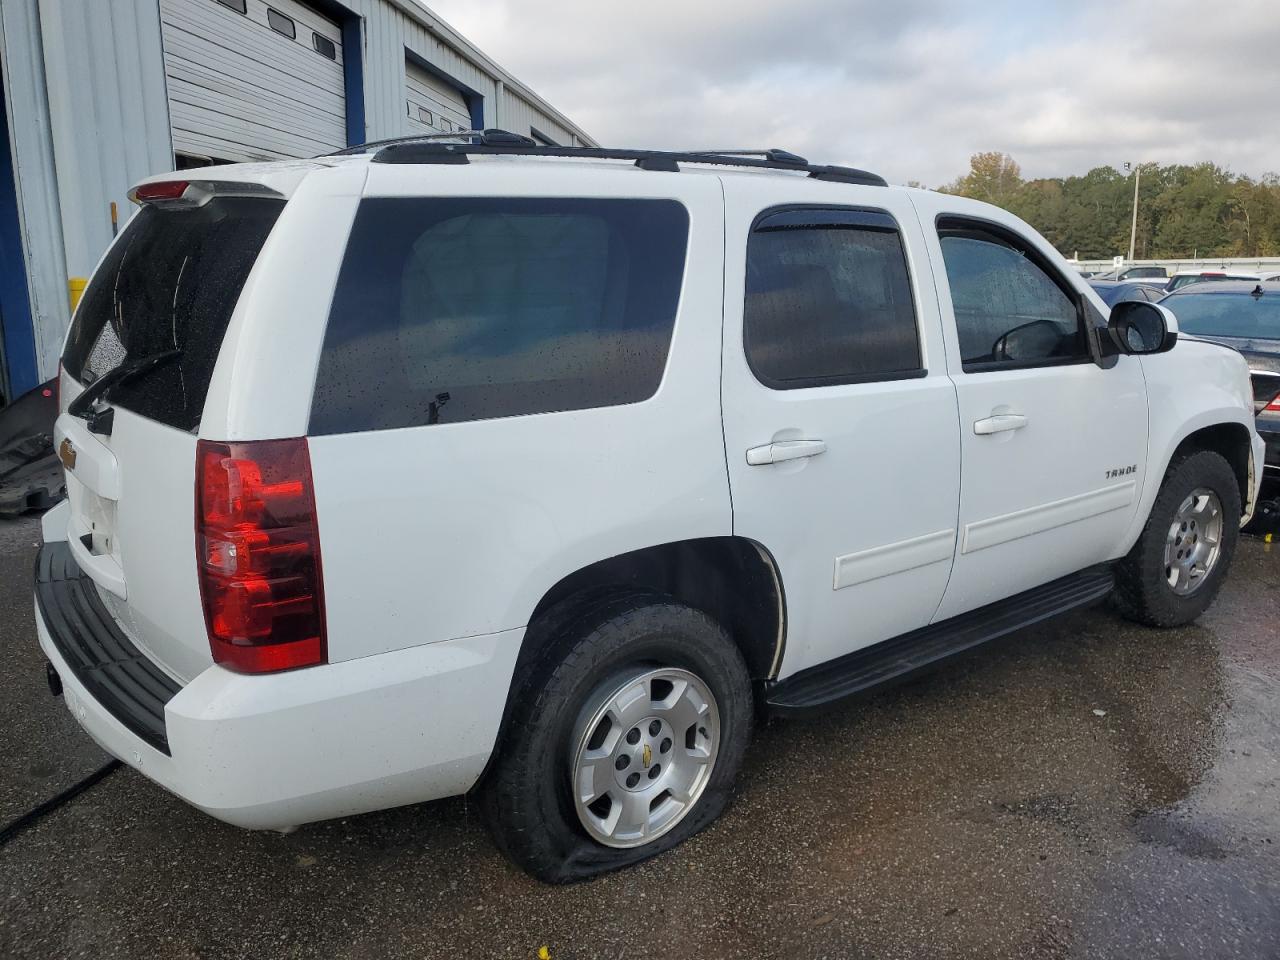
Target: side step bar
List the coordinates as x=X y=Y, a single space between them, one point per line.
x=894 y=659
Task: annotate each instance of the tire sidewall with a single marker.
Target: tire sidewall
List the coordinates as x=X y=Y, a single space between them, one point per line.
x=1203 y=469
x=654 y=634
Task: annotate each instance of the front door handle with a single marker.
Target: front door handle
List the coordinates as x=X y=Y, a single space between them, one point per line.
x=781 y=450
x=999 y=424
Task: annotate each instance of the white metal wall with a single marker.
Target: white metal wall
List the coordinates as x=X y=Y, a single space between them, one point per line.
x=105 y=76
x=390 y=31
x=520 y=116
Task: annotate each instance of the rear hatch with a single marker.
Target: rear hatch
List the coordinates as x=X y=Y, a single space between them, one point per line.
x=159 y=306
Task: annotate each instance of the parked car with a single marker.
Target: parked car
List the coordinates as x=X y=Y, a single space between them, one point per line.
x=1144 y=273
x=1135 y=273
x=1181 y=278
x=1245 y=316
x=540 y=472
x=1115 y=291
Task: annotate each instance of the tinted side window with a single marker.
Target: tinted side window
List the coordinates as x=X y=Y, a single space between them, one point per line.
x=828 y=300
x=455 y=309
x=1008 y=309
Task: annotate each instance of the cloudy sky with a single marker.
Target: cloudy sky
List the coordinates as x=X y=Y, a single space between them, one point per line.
x=908 y=88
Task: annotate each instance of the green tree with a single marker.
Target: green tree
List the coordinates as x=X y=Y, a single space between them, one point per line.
x=1183 y=210
x=993 y=177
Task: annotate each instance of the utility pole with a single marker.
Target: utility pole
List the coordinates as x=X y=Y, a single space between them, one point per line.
x=1133 y=229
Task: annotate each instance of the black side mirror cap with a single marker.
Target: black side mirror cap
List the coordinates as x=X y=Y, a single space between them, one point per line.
x=1139 y=328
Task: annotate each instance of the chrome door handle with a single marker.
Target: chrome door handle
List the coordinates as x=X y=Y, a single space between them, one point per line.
x=999 y=424
x=781 y=450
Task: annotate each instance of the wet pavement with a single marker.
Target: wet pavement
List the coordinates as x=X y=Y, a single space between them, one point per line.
x=1086 y=788
x=42 y=750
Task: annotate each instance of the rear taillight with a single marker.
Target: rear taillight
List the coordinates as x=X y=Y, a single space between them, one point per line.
x=259 y=554
x=1273 y=406
x=160 y=191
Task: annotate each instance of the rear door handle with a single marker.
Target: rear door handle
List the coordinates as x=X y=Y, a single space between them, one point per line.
x=781 y=450
x=999 y=424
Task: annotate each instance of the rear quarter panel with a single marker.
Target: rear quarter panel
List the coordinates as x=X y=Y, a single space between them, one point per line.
x=438 y=532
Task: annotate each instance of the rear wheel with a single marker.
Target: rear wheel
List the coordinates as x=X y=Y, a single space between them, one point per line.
x=622 y=741
x=1178 y=565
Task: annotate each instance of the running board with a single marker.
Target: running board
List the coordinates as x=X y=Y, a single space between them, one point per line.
x=895 y=659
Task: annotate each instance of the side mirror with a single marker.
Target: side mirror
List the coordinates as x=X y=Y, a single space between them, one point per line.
x=1138 y=327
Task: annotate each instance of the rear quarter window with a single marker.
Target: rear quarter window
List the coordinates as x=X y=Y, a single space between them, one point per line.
x=457 y=309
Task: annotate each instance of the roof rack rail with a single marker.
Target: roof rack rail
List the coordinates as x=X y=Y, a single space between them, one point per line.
x=437 y=148
x=491 y=137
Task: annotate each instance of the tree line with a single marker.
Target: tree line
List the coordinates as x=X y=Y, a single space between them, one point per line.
x=1201 y=210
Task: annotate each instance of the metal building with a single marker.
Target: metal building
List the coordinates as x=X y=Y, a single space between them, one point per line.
x=100 y=93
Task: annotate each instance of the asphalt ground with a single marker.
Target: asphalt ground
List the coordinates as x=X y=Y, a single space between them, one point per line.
x=1085 y=788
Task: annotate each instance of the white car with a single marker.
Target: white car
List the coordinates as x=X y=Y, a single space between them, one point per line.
x=542 y=471
x=1181 y=278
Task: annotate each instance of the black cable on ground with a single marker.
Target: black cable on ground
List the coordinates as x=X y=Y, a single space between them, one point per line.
x=12 y=829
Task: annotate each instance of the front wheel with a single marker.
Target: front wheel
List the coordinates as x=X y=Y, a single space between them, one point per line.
x=1178 y=565
x=624 y=738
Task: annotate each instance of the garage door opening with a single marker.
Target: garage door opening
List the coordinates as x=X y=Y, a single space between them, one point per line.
x=252 y=80
x=18 y=372
x=433 y=104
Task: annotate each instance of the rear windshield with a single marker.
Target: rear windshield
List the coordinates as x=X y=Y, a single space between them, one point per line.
x=466 y=308
x=170 y=282
x=1239 y=315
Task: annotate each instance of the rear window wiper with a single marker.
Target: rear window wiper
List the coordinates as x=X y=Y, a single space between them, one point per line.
x=100 y=422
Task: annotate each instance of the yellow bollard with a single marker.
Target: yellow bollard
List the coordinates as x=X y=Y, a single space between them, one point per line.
x=75 y=288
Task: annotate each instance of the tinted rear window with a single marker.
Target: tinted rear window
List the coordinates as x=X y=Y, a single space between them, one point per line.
x=456 y=309
x=1239 y=315
x=171 y=281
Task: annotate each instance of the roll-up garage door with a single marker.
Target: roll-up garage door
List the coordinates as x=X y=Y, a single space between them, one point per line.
x=433 y=105
x=250 y=80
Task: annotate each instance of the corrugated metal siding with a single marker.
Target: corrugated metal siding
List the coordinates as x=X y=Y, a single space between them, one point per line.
x=105 y=77
x=520 y=116
x=31 y=141
x=238 y=90
x=389 y=32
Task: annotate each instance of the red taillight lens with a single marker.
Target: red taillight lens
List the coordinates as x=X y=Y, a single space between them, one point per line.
x=1273 y=406
x=164 y=190
x=259 y=555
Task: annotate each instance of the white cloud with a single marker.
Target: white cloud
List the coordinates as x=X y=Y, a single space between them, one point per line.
x=909 y=89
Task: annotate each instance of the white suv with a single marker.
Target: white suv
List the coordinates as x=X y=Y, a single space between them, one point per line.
x=543 y=472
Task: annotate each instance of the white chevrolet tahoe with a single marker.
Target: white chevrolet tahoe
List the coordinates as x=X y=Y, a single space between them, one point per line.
x=541 y=472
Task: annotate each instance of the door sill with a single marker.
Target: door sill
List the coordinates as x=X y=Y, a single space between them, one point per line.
x=892 y=660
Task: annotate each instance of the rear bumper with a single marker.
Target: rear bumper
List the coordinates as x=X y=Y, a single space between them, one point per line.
x=275 y=751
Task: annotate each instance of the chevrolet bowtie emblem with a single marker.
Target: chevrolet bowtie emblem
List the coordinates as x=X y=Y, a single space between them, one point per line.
x=67 y=454
x=646 y=756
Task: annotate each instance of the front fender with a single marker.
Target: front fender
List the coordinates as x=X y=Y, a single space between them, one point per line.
x=1195 y=385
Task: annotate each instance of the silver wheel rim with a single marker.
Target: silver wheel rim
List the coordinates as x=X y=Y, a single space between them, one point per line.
x=645 y=749
x=1194 y=541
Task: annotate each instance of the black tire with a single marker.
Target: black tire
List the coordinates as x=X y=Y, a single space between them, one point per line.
x=526 y=793
x=1142 y=589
